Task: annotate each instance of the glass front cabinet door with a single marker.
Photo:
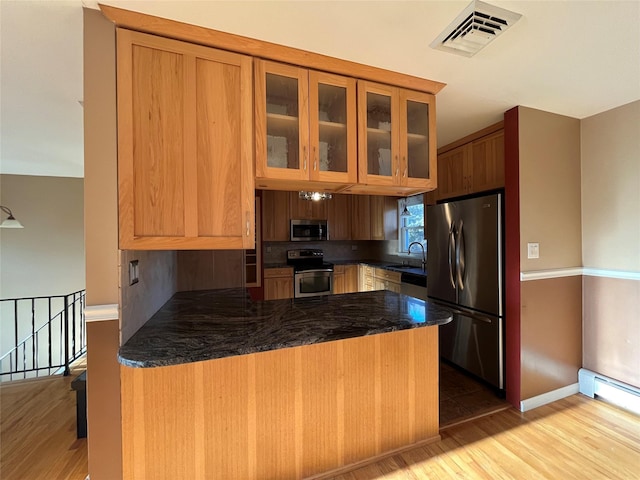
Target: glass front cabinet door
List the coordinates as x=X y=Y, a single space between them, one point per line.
x=418 y=148
x=396 y=136
x=378 y=151
x=281 y=121
x=332 y=125
x=305 y=124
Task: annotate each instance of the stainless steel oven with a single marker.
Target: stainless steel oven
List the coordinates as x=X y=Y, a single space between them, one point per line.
x=312 y=276
x=311 y=283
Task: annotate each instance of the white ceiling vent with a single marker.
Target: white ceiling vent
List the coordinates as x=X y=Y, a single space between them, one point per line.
x=474 y=28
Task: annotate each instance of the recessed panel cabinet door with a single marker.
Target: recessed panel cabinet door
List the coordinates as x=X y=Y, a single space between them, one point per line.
x=185 y=172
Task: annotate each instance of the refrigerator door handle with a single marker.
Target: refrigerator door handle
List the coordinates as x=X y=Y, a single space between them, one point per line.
x=451 y=251
x=460 y=267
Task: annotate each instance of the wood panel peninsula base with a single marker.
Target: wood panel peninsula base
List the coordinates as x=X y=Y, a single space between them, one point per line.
x=290 y=413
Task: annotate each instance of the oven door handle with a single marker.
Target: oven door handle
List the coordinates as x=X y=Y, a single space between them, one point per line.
x=303 y=272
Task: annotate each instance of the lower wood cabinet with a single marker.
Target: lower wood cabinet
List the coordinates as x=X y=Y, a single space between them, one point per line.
x=386 y=280
x=351 y=278
x=345 y=279
x=278 y=283
x=365 y=278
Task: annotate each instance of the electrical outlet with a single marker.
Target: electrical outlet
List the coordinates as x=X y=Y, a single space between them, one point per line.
x=354 y=247
x=268 y=249
x=133 y=272
x=533 y=250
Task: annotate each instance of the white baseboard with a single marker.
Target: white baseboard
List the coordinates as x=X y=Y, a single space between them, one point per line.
x=552 y=396
x=594 y=385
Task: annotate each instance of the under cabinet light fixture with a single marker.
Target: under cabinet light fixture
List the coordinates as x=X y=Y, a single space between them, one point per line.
x=314 y=196
x=10 y=222
x=475 y=27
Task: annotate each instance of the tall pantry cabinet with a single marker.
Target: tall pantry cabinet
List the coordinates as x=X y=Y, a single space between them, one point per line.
x=185 y=145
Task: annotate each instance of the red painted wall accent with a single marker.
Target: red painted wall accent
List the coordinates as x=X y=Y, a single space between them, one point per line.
x=512 y=257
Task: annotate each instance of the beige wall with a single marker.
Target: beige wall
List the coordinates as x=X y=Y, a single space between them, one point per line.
x=550 y=214
x=47 y=256
x=103 y=401
x=611 y=242
x=612 y=328
x=100 y=163
x=551 y=330
x=102 y=256
x=611 y=189
x=549 y=189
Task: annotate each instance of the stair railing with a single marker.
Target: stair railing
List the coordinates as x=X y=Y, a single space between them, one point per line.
x=50 y=341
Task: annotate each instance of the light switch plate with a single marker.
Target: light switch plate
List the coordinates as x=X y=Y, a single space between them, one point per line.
x=533 y=250
x=133 y=272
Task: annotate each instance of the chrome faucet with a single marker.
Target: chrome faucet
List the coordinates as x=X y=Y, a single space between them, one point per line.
x=424 y=256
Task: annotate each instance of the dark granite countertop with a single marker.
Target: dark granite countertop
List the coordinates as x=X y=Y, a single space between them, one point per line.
x=209 y=324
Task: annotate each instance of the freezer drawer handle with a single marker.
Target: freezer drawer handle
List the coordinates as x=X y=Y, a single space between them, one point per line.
x=474 y=316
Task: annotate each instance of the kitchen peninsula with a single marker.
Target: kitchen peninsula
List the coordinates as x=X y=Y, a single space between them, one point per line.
x=277 y=389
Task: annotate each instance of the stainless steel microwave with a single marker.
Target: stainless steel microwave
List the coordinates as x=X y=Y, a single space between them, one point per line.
x=308 y=230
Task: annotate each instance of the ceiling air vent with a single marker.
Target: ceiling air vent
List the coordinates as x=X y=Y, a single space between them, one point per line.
x=474 y=28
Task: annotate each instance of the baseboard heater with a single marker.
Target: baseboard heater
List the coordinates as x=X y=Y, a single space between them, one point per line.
x=594 y=385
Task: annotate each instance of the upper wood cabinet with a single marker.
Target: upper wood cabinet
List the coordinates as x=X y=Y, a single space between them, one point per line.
x=302 y=209
x=453 y=172
x=360 y=210
x=275 y=216
x=396 y=139
x=487 y=167
x=384 y=217
x=185 y=161
x=305 y=126
x=472 y=167
x=339 y=217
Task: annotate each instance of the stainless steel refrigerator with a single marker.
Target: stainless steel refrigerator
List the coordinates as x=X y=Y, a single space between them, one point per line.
x=464 y=272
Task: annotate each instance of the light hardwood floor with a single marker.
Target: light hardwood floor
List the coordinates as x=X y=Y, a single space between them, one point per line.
x=572 y=438
x=38 y=430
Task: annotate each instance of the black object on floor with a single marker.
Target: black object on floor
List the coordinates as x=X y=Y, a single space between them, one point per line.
x=79 y=384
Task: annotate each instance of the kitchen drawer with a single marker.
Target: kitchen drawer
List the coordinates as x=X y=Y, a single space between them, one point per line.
x=278 y=272
x=388 y=275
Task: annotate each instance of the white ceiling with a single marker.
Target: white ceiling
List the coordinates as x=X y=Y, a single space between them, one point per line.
x=575 y=58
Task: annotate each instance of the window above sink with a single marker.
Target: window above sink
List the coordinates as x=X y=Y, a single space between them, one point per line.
x=411 y=227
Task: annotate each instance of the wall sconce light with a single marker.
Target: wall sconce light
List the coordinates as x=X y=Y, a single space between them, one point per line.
x=314 y=196
x=10 y=222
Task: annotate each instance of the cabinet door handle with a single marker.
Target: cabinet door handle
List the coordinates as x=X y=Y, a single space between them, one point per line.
x=315 y=159
x=248 y=225
x=405 y=172
x=397 y=172
x=304 y=158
